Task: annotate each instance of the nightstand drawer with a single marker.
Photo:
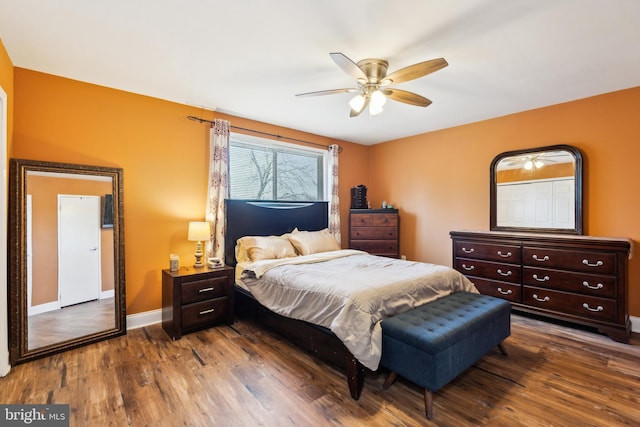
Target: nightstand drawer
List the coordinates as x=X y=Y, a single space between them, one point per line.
x=204 y=313
x=200 y=290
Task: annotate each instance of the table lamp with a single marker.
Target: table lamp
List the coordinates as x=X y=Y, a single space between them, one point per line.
x=199 y=231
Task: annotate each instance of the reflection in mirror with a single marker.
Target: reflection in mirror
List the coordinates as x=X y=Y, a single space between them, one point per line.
x=537 y=190
x=67 y=278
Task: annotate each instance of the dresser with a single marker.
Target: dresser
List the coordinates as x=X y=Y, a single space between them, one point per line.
x=579 y=279
x=196 y=298
x=375 y=231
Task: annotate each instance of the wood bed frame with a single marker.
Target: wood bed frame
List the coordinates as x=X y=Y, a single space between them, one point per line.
x=265 y=218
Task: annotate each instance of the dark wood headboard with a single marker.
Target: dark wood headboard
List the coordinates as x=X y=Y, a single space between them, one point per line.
x=269 y=218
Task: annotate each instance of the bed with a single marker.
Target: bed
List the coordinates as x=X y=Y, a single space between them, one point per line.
x=334 y=306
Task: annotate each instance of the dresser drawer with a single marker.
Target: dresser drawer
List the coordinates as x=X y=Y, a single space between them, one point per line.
x=565 y=302
x=489 y=270
x=488 y=251
x=204 y=313
x=374 y=220
x=380 y=247
x=385 y=220
x=374 y=233
x=589 y=262
x=588 y=284
x=200 y=290
x=504 y=290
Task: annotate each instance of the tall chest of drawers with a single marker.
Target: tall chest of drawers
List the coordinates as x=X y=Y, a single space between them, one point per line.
x=375 y=231
x=573 y=278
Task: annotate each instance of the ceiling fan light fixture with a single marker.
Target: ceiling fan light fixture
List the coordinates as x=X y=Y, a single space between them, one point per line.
x=528 y=165
x=538 y=163
x=357 y=102
x=371 y=75
x=374 y=110
x=378 y=98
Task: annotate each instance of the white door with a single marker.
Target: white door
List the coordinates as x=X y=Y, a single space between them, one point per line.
x=78 y=249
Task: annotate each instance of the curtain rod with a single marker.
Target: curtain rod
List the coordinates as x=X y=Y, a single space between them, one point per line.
x=198 y=119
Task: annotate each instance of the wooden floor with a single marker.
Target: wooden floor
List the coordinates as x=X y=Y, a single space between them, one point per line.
x=245 y=376
x=71 y=322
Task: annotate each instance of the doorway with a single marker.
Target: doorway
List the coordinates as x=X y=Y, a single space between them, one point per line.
x=79 y=265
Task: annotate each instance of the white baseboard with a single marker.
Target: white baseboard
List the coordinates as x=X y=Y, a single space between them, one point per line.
x=635 y=323
x=43 y=308
x=146 y=318
x=107 y=294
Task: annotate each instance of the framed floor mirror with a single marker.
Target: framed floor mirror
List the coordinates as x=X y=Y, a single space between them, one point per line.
x=66 y=257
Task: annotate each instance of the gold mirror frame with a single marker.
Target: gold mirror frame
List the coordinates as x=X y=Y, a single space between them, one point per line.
x=19 y=350
x=509 y=156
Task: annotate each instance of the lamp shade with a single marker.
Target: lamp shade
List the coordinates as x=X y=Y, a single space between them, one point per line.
x=199 y=231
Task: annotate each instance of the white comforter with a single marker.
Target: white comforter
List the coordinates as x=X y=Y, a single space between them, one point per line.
x=349 y=292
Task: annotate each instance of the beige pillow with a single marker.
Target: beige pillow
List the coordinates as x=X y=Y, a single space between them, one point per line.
x=255 y=248
x=311 y=242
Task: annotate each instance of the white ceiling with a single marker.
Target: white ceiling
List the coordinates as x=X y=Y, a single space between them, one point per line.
x=249 y=58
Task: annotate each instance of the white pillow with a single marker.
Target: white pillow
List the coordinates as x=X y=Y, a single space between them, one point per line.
x=311 y=242
x=255 y=248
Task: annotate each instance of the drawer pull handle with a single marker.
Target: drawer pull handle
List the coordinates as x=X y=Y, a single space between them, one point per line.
x=587 y=285
x=597 y=264
x=544 y=279
x=545 y=258
x=471 y=267
x=508 y=273
x=598 y=308
x=206 y=289
x=545 y=299
x=211 y=310
x=507 y=292
x=468 y=251
x=507 y=255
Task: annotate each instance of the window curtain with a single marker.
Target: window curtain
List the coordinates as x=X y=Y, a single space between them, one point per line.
x=218 y=186
x=334 y=198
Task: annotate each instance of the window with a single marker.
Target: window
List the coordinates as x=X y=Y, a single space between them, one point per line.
x=267 y=170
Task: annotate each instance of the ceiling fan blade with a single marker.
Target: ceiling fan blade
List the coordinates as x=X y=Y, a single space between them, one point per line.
x=328 y=92
x=415 y=71
x=356 y=113
x=348 y=66
x=407 y=97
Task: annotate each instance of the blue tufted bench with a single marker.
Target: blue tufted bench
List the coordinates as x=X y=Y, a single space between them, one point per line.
x=434 y=343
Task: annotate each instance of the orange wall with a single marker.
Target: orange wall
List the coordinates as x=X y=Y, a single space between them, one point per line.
x=44 y=191
x=162 y=153
x=6 y=82
x=440 y=180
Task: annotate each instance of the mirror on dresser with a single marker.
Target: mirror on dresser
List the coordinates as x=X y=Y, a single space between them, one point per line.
x=538 y=189
x=66 y=267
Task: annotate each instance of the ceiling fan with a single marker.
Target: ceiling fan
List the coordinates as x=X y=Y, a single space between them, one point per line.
x=537 y=161
x=373 y=81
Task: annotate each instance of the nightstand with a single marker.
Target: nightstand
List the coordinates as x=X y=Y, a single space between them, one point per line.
x=196 y=298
